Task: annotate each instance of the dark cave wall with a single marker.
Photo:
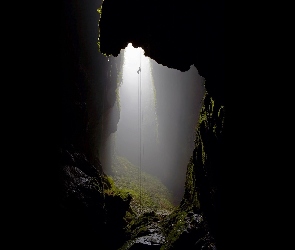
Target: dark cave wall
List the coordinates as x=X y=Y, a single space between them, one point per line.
x=89 y=80
x=87 y=83
x=178 y=36
x=174 y=35
x=203 y=187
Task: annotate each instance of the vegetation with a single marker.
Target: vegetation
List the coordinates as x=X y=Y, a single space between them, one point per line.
x=190 y=198
x=114 y=191
x=173 y=226
x=140 y=226
x=147 y=192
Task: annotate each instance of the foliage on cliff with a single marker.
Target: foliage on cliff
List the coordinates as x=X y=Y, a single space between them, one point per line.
x=206 y=158
x=202 y=187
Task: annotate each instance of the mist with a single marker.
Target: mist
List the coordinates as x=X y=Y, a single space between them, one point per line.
x=159 y=110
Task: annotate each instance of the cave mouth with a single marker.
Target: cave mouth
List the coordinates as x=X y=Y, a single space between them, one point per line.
x=147 y=155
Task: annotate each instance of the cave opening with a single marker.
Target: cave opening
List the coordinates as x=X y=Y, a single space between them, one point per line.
x=94 y=103
x=159 y=107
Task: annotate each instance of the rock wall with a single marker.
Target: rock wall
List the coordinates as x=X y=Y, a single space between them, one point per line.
x=174 y=34
x=204 y=171
x=177 y=36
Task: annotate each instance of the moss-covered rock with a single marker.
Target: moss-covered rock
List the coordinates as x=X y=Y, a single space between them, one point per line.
x=148 y=192
x=144 y=232
x=202 y=188
x=188 y=229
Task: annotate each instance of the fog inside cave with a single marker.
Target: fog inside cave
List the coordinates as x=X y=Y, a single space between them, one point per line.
x=159 y=111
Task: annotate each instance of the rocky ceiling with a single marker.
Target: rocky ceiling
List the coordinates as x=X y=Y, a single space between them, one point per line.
x=173 y=33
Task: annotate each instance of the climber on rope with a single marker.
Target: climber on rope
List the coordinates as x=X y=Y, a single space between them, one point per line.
x=139 y=70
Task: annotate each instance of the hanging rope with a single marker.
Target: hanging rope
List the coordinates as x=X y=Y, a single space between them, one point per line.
x=139 y=130
x=140 y=120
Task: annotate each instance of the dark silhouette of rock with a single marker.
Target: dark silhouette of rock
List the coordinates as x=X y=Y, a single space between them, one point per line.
x=72 y=86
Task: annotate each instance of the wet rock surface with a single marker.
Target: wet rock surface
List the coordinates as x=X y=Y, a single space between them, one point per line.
x=186 y=230
x=145 y=232
x=154 y=237
x=82 y=211
x=177 y=230
x=93 y=213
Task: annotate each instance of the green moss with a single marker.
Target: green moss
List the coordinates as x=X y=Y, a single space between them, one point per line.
x=114 y=191
x=208 y=113
x=148 y=193
x=204 y=156
x=138 y=226
x=203 y=114
x=173 y=226
x=211 y=121
x=99 y=10
x=190 y=199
